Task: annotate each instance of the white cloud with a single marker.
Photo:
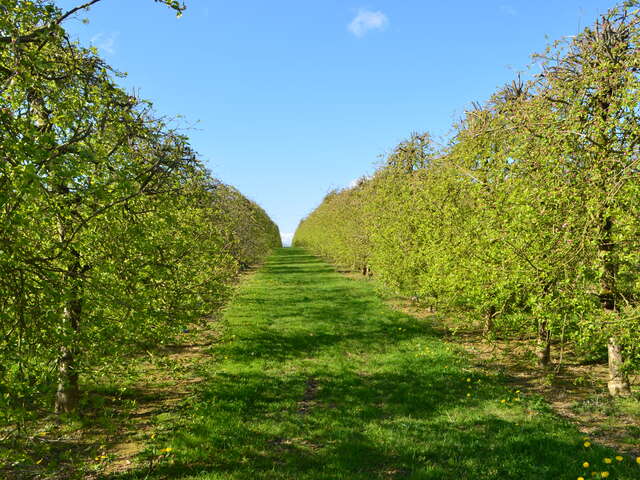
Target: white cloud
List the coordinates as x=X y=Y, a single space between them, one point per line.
x=286 y=239
x=105 y=42
x=367 y=20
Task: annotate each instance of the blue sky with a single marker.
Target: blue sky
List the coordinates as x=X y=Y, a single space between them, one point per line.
x=287 y=99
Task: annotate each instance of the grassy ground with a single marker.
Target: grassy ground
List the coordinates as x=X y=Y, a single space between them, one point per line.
x=575 y=387
x=314 y=377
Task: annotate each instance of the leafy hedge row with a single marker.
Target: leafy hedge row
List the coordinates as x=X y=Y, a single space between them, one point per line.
x=113 y=236
x=529 y=219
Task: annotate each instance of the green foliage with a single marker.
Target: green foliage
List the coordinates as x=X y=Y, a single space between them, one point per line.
x=113 y=235
x=527 y=220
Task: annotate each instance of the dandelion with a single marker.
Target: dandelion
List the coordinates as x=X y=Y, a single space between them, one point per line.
x=468 y=379
x=468 y=394
x=604 y=474
x=39 y=461
x=580 y=478
x=587 y=444
x=502 y=401
x=585 y=464
x=638 y=460
x=166 y=450
x=619 y=458
x=607 y=460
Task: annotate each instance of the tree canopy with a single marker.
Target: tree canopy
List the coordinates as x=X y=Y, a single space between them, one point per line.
x=527 y=220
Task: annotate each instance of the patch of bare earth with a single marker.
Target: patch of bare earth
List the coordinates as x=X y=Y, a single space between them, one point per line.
x=308 y=398
x=115 y=426
x=160 y=392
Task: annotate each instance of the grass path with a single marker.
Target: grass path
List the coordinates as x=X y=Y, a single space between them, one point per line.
x=316 y=378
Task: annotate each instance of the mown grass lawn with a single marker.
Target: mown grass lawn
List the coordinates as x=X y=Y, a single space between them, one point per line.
x=316 y=378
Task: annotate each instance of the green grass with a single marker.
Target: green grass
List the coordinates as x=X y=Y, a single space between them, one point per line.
x=316 y=378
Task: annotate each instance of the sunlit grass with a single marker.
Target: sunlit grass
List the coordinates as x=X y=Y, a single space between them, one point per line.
x=315 y=378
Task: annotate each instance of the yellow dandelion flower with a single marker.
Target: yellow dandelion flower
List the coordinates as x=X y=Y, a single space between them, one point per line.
x=607 y=460
x=587 y=444
x=580 y=478
x=468 y=394
x=638 y=460
x=502 y=401
x=585 y=464
x=517 y=391
x=39 y=461
x=468 y=379
x=619 y=458
x=604 y=474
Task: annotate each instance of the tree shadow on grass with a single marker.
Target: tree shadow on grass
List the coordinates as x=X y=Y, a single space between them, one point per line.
x=323 y=382
x=387 y=425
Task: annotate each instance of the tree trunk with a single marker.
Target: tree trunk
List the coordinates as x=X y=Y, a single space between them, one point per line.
x=609 y=267
x=488 y=321
x=618 y=380
x=543 y=344
x=68 y=393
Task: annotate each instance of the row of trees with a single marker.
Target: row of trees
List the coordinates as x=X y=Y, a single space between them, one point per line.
x=529 y=219
x=113 y=235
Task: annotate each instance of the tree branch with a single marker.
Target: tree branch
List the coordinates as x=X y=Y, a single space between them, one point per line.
x=34 y=36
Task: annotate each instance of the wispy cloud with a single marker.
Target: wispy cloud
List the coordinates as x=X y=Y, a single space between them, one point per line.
x=367 y=20
x=509 y=10
x=287 y=238
x=105 y=41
